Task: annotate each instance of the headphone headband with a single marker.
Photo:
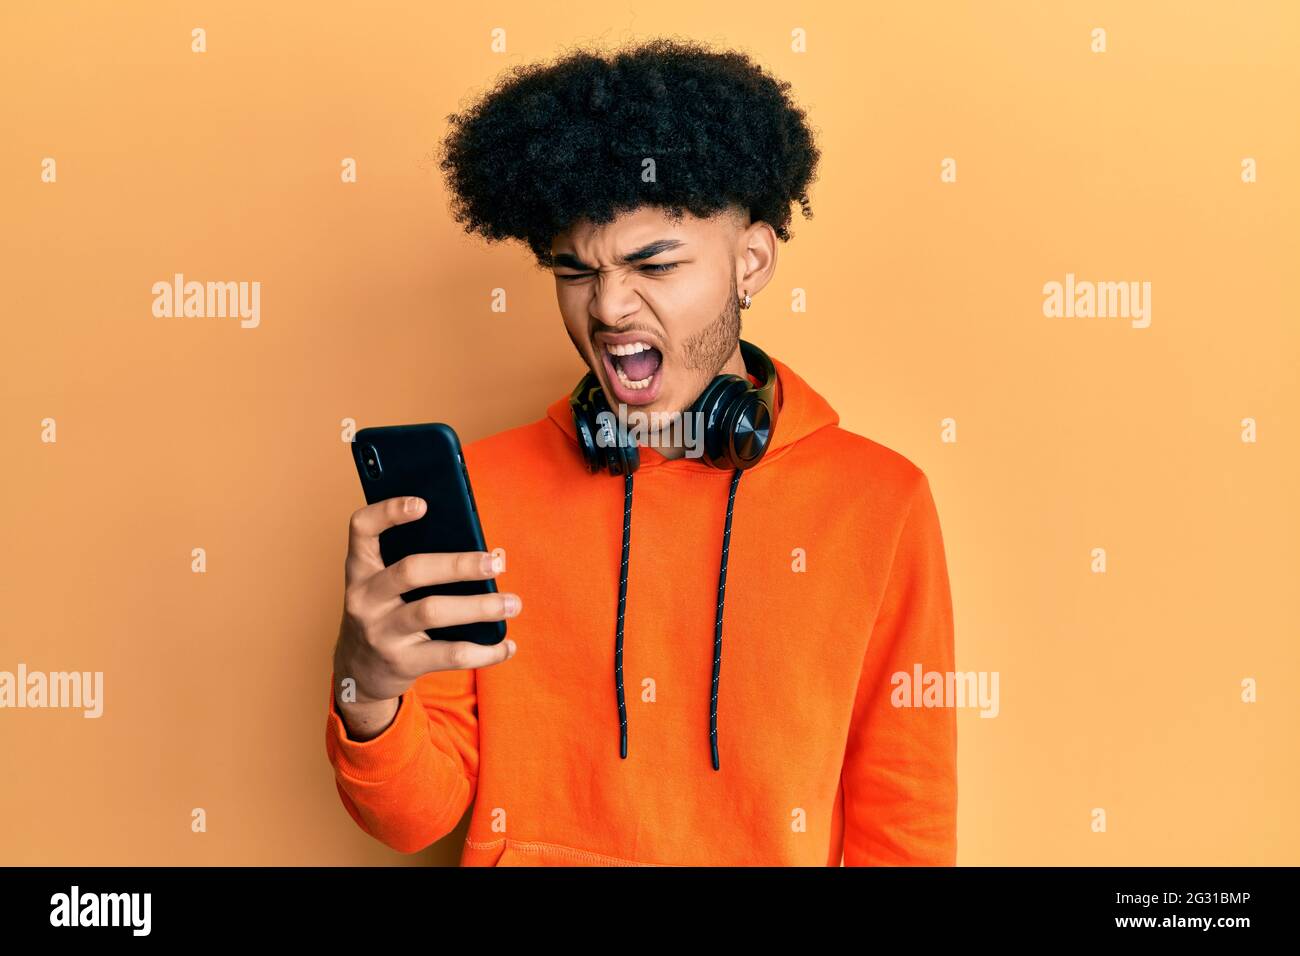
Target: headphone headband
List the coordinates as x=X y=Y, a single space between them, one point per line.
x=737 y=419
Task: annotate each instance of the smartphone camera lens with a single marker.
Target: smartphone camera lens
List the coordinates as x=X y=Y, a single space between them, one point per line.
x=370 y=459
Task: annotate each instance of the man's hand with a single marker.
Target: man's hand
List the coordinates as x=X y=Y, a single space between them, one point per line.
x=382 y=645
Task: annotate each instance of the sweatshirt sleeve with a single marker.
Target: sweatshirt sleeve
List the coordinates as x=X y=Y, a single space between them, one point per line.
x=410 y=786
x=900 y=766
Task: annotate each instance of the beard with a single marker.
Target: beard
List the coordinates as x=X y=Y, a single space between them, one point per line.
x=709 y=349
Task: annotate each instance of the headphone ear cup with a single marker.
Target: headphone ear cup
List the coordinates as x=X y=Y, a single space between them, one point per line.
x=618 y=456
x=715 y=406
x=737 y=418
x=597 y=432
x=749 y=431
x=586 y=440
x=628 y=459
x=581 y=403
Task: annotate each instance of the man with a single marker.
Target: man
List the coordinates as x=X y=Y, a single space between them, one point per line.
x=655 y=184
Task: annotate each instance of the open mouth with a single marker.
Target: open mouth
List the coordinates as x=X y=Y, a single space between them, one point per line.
x=635 y=370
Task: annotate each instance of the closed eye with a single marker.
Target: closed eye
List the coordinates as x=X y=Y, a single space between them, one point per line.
x=658 y=268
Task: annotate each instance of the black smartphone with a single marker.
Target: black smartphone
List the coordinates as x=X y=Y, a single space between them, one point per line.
x=426 y=461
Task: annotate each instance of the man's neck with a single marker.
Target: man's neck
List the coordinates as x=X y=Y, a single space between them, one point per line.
x=735 y=365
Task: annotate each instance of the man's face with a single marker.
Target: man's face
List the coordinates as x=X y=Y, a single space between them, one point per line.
x=657 y=328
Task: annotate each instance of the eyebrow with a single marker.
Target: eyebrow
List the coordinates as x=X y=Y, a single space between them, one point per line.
x=570 y=261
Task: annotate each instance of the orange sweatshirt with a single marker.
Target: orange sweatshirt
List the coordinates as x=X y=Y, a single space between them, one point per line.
x=836 y=582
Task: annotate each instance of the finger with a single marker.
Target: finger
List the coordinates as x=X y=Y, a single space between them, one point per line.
x=460 y=655
x=367 y=522
x=447 y=610
x=435 y=567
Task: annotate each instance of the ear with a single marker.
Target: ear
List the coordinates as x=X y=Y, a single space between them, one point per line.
x=755 y=257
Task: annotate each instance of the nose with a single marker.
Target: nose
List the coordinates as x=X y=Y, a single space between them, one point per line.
x=612 y=300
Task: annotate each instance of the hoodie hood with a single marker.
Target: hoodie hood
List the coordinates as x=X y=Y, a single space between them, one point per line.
x=800 y=412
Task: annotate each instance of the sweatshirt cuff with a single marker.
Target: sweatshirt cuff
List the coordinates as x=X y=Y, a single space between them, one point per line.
x=382 y=757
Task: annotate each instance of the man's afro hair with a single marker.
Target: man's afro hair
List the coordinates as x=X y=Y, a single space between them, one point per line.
x=552 y=144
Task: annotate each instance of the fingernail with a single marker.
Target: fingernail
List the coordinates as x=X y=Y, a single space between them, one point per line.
x=498 y=563
x=412 y=505
x=510 y=645
x=486 y=564
x=512 y=604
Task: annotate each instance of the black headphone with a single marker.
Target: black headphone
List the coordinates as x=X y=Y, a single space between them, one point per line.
x=738 y=418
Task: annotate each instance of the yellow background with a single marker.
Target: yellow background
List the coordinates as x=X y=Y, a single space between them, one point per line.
x=1118 y=690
